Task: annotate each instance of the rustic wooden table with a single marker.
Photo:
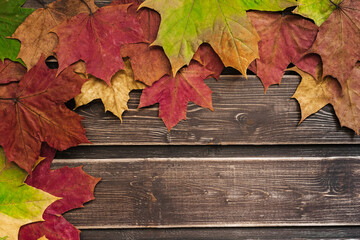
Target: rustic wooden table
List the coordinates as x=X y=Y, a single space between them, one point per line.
x=246 y=170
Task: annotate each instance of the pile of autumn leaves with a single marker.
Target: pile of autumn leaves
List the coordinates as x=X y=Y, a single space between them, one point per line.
x=168 y=48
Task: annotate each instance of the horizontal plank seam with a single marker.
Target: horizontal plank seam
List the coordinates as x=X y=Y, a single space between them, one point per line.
x=221 y=225
x=218 y=159
x=217 y=144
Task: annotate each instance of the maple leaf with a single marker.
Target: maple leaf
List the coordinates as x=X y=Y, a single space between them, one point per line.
x=207 y=57
x=309 y=63
x=34 y=33
x=11 y=71
x=20 y=203
x=96 y=39
x=173 y=93
x=33 y=111
x=347 y=102
x=314 y=93
x=284 y=40
x=187 y=86
x=72 y=185
x=11 y=15
x=114 y=97
x=318 y=10
x=338 y=41
x=223 y=24
x=148 y=63
x=149 y=20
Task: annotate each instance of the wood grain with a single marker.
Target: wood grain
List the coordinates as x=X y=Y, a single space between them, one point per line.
x=217 y=151
x=224 y=233
x=243 y=115
x=247 y=169
x=194 y=192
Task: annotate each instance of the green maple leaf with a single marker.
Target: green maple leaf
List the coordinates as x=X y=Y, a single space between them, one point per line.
x=186 y=24
x=318 y=10
x=11 y=16
x=20 y=203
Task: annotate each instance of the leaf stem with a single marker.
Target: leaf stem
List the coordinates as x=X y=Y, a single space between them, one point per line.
x=15 y=100
x=336 y=5
x=87 y=5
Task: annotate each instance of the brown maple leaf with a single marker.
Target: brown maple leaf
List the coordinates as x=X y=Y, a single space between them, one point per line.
x=314 y=93
x=34 y=33
x=96 y=38
x=33 y=111
x=338 y=40
x=149 y=63
x=347 y=102
x=114 y=97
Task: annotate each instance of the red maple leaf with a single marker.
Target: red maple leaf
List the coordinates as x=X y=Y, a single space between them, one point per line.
x=73 y=185
x=96 y=38
x=11 y=71
x=284 y=39
x=207 y=57
x=33 y=111
x=149 y=63
x=309 y=63
x=173 y=93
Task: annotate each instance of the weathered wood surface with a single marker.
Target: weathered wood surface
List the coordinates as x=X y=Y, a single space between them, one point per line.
x=207 y=172
x=224 y=233
x=243 y=115
x=97 y=152
x=205 y=192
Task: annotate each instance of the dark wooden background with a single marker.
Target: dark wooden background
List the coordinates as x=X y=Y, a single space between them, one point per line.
x=245 y=171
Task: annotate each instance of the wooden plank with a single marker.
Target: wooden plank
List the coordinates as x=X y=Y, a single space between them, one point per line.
x=243 y=115
x=224 y=233
x=97 y=152
x=219 y=192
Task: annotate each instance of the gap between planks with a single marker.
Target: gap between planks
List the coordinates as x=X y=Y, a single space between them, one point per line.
x=221 y=225
x=217 y=159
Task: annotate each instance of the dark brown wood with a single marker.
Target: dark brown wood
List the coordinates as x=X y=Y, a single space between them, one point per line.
x=224 y=233
x=221 y=192
x=98 y=152
x=217 y=170
x=243 y=115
